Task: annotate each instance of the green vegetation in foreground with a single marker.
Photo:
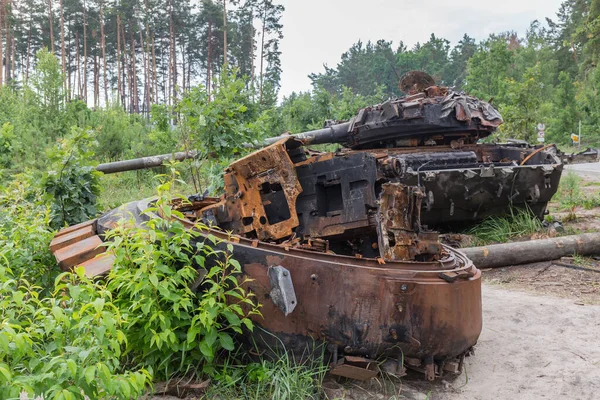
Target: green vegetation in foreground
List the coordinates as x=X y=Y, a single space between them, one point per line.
x=520 y=222
x=63 y=336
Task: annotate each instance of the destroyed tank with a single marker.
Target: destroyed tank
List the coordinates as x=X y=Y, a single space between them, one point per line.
x=333 y=242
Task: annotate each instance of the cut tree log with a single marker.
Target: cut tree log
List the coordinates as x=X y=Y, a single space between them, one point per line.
x=507 y=254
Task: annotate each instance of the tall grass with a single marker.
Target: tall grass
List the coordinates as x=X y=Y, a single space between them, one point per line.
x=284 y=376
x=519 y=222
x=570 y=195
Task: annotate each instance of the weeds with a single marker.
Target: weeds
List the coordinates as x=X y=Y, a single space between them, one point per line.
x=570 y=196
x=519 y=222
x=284 y=376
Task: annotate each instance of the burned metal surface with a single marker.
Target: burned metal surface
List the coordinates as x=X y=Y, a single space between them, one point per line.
x=399 y=226
x=260 y=194
x=588 y=155
x=435 y=115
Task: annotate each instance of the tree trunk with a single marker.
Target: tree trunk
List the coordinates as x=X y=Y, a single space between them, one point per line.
x=182 y=66
x=154 y=72
x=95 y=82
x=262 y=58
x=503 y=255
x=148 y=69
x=134 y=102
x=13 y=57
x=62 y=46
x=252 y=72
x=8 y=44
x=51 y=26
x=69 y=66
x=146 y=104
x=85 y=80
x=224 y=32
x=173 y=54
x=126 y=75
x=209 y=61
x=103 y=44
x=2 y=17
x=119 y=96
x=28 y=52
x=78 y=74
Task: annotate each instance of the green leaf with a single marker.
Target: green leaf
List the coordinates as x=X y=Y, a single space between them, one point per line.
x=5 y=371
x=226 y=341
x=72 y=367
x=90 y=374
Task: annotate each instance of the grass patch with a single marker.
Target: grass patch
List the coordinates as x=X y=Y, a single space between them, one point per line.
x=570 y=195
x=519 y=222
x=283 y=376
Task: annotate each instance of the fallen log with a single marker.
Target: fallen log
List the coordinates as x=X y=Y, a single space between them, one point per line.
x=503 y=255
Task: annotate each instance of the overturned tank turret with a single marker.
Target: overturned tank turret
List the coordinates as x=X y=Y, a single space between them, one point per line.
x=430 y=139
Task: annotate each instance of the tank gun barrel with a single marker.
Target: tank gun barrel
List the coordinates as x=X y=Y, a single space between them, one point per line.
x=337 y=133
x=144 y=162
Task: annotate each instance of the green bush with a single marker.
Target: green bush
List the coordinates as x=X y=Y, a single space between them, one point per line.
x=60 y=335
x=170 y=328
x=66 y=346
x=25 y=233
x=72 y=183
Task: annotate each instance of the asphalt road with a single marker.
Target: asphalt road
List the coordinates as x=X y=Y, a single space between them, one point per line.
x=590 y=171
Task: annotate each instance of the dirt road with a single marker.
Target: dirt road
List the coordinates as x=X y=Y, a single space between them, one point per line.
x=531 y=347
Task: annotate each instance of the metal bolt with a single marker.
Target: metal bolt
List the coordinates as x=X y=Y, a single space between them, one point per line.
x=313 y=277
x=403 y=288
x=285 y=273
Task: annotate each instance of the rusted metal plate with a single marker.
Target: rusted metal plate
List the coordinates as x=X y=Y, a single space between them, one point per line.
x=64 y=239
x=70 y=229
x=399 y=229
x=99 y=265
x=77 y=253
x=358 y=368
x=260 y=194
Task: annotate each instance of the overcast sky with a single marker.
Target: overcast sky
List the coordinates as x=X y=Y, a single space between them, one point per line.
x=317 y=32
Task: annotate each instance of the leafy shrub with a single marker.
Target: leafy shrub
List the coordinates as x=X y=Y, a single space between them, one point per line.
x=60 y=335
x=7 y=137
x=72 y=184
x=66 y=346
x=170 y=328
x=25 y=234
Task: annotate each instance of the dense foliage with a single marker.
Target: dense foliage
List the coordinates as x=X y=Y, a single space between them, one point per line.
x=170 y=327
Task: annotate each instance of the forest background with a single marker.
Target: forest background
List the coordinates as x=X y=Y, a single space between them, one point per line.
x=90 y=81
x=157 y=76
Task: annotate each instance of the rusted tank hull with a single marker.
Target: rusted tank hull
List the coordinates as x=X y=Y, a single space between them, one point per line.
x=368 y=311
x=429 y=312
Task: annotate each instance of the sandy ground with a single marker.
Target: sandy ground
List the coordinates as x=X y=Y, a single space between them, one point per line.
x=531 y=347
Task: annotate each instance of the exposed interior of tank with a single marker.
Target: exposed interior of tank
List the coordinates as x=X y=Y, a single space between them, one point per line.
x=376 y=203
